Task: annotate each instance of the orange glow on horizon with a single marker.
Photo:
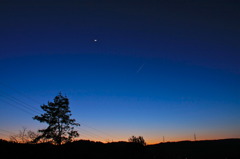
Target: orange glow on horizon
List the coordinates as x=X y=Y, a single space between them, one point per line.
x=148 y=141
x=151 y=139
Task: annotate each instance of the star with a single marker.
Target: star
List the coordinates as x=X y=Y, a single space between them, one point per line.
x=95 y=40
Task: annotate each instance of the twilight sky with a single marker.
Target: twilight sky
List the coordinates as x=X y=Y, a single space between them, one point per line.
x=137 y=67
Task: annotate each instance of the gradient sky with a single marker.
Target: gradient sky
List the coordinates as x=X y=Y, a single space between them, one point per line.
x=138 y=67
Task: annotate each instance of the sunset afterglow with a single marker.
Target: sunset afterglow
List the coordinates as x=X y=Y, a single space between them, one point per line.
x=161 y=70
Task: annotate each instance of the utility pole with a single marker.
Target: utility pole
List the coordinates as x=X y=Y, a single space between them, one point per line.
x=195 y=137
x=163 y=139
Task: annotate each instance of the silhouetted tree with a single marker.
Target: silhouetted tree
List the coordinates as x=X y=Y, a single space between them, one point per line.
x=60 y=127
x=139 y=140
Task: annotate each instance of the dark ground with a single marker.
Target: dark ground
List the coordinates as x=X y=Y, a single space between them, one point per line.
x=212 y=149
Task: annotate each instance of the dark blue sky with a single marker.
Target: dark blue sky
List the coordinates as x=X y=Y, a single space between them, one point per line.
x=157 y=68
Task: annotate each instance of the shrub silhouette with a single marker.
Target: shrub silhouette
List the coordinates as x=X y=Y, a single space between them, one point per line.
x=24 y=136
x=138 y=140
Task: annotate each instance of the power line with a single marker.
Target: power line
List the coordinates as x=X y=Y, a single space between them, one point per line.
x=3 y=134
x=20 y=108
x=6 y=131
x=104 y=133
x=20 y=102
x=29 y=109
x=86 y=134
x=26 y=110
x=98 y=130
x=19 y=92
x=91 y=134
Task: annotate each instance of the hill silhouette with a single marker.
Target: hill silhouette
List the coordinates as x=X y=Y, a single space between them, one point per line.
x=209 y=149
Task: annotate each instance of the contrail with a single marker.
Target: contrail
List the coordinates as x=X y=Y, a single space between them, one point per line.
x=140 y=68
